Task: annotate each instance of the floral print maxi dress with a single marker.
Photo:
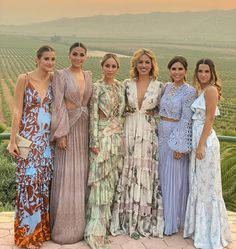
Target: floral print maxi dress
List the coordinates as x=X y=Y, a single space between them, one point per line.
x=106 y=134
x=206 y=216
x=138 y=204
x=33 y=175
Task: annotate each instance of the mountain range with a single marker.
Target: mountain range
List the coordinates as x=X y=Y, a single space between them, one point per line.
x=215 y=25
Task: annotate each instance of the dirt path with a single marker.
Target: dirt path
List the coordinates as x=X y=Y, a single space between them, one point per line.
x=8 y=97
x=96 y=53
x=2 y=120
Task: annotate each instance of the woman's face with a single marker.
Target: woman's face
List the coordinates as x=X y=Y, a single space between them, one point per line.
x=204 y=74
x=109 y=69
x=77 y=57
x=144 y=65
x=47 y=61
x=177 y=72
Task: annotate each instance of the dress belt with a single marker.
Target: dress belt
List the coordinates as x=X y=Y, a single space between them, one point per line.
x=169 y=119
x=76 y=113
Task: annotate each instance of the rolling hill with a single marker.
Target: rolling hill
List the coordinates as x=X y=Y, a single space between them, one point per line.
x=215 y=25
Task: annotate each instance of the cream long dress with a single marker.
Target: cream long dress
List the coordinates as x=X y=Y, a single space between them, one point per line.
x=137 y=207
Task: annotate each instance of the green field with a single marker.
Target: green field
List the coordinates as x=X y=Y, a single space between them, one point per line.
x=17 y=56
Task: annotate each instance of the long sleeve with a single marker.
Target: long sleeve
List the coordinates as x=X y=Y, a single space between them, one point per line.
x=94 y=118
x=160 y=93
x=181 y=138
x=60 y=119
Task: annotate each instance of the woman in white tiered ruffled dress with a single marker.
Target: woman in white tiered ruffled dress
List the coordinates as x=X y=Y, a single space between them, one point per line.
x=206 y=217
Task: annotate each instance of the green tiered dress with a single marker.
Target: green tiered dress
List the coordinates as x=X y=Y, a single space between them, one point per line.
x=107 y=134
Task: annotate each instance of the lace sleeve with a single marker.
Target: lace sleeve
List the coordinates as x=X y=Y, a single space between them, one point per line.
x=60 y=121
x=93 y=123
x=181 y=138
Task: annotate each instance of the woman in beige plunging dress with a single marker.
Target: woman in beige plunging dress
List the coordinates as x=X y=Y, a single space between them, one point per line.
x=72 y=89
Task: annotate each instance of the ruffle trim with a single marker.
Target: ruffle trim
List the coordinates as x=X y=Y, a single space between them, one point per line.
x=207 y=223
x=102 y=190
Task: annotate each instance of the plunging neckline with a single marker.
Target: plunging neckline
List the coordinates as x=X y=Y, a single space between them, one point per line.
x=143 y=100
x=75 y=83
x=37 y=92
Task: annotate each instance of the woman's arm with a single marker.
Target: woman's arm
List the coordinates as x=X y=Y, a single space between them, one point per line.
x=211 y=99
x=60 y=121
x=180 y=140
x=17 y=113
x=93 y=123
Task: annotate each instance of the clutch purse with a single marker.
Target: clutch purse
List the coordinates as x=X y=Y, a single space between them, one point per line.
x=24 y=146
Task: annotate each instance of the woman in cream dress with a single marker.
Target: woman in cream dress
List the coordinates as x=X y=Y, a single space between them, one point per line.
x=137 y=208
x=206 y=217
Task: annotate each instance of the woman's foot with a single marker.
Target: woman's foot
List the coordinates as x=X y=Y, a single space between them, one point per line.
x=34 y=246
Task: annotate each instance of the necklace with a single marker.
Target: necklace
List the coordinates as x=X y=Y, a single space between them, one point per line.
x=40 y=80
x=174 y=89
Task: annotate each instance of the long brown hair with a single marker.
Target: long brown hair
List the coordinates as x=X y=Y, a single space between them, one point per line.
x=181 y=60
x=78 y=45
x=215 y=81
x=44 y=48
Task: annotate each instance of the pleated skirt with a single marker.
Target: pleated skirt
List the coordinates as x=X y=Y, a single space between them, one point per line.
x=67 y=206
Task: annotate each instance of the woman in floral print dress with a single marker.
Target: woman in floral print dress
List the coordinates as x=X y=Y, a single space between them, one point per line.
x=106 y=155
x=32 y=118
x=138 y=206
x=206 y=216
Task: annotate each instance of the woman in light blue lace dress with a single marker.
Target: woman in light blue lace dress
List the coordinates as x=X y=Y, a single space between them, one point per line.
x=206 y=218
x=175 y=144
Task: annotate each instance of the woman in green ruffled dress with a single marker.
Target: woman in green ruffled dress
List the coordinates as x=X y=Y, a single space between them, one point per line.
x=106 y=150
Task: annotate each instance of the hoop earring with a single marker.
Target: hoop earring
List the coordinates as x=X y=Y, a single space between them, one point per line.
x=212 y=83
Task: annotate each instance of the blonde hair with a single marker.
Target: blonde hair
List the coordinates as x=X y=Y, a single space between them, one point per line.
x=134 y=60
x=108 y=56
x=214 y=78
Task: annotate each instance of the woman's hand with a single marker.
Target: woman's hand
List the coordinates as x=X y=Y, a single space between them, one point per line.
x=61 y=143
x=13 y=149
x=200 y=152
x=95 y=150
x=177 y=155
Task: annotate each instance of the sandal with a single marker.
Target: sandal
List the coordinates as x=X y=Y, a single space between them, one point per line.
x=135 y=235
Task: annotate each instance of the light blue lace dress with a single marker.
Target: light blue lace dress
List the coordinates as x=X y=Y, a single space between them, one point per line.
x=206 y=218
x=175 y=136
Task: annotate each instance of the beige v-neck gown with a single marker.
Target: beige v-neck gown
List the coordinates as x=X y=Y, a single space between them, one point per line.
x=67 y=206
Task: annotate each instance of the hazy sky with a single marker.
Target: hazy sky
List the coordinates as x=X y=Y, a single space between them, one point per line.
x=28 y=11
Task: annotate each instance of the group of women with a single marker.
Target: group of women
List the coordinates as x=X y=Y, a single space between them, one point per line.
x=138 y=158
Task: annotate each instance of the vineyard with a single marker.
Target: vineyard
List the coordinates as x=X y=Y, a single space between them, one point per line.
x=17 y=56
